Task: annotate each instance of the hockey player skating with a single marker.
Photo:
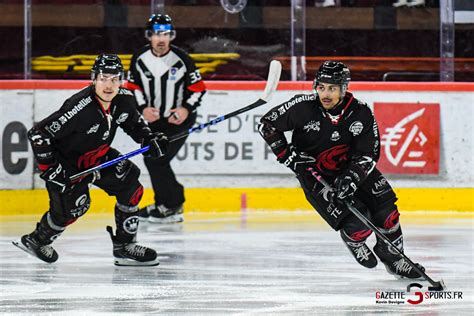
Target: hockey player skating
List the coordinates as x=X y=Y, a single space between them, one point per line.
x=337 y=135
x=168 y=88
x=77 y=137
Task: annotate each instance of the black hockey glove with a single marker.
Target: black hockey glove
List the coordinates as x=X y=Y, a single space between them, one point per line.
x=296 y=161
x=158 y=143
x=345 y=185
x=57 y=178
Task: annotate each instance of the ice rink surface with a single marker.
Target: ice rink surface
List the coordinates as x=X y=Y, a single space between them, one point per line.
x=259 y=263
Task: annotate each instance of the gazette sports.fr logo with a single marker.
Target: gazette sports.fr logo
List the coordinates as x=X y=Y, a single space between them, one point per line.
x=414 y=295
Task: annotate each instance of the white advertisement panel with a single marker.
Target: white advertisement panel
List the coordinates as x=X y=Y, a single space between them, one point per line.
x=16 y=168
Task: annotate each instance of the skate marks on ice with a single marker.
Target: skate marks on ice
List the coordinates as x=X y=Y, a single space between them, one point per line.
x=279 y=268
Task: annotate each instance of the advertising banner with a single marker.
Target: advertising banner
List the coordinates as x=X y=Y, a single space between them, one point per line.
x=410 y=135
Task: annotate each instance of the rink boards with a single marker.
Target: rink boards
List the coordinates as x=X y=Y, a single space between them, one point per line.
x=227 y=168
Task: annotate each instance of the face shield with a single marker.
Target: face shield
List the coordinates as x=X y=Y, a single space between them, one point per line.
x=161 y=30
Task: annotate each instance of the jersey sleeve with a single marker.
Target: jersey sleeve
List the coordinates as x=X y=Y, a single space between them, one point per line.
x=44 y=135
x=194 y=85
x=277 y=121
x=366 y=143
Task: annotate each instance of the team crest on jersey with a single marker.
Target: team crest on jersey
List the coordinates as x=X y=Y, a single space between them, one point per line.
x=93 y=129
x=272 y=117
x=356 y=128
x=122 y=118
x=335 y=136
x=173 y=71
x=312 y=126
x=54 y=127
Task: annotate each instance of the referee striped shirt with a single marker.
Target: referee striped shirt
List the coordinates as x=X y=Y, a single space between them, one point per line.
x=165 y=82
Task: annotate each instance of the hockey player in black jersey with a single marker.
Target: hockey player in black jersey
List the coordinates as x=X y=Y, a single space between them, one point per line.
x=168 y=88
x=337 y=135
x=77 y=137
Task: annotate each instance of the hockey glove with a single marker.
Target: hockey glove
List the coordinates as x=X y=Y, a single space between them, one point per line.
x=158 y=143
x=57 y=178
x=296 y=161
x=345 y=185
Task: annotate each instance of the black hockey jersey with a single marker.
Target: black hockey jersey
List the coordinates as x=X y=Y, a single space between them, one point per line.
x=165 y=82
x=80 y=133
x=344 y=137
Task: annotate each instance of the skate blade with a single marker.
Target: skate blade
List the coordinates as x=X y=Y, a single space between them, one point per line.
x=124 y=262
x=20 y=245
x=177 y=218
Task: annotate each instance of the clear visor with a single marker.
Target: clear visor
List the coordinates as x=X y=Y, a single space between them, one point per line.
x=162 y=33
x=106 y=77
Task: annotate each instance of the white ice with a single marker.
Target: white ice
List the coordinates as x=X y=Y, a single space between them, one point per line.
x=257 y=264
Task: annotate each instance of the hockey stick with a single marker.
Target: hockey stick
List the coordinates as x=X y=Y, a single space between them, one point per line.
x=270 y=87
x=436 y=285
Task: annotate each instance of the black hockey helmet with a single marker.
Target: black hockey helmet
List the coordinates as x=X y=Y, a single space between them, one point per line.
x=158 y=24
x=333 y=72
x=107 y=64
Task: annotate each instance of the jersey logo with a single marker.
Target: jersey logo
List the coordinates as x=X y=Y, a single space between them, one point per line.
x=356 y=128
x=91 y=158
x=93 y=129
x=76 y=109
x=335 y=136
x=312 y=126
x=54 y=127
x=122 y=118
x=272 y=117
x=125 y=92
x=380 y=187
x=331 y=158
x=173 y=71
x=286 y=106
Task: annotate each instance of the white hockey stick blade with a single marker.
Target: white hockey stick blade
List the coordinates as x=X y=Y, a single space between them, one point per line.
x=272 y=80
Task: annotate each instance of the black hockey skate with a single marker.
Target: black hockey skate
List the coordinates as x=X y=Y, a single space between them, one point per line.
x=161 y=214
x=395 y=263
x=29 y=244
x=131 y=254
x=363 y=255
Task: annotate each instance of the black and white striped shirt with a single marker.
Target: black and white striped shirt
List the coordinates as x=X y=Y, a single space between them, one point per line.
x=165 y=82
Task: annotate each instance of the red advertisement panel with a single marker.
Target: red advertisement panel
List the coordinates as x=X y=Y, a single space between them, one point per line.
x=409 y=134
